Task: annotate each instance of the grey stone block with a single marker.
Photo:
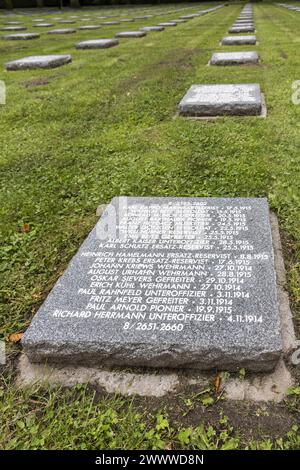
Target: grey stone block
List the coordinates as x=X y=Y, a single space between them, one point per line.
x=43 y=25
x=97 y=44
x=13 y=28
x=62 y=31
x=39 y=62
x=220 y=100
x=67 y=21
x=167 y=282
x=238 y=40
x=90 y=26
x=152 y=28
x=111 y=23
x=167 y=24
x=234 y=58
x=241 y=29
x=21 y=37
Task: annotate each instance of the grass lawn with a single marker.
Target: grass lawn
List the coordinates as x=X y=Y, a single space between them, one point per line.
x=74 y=137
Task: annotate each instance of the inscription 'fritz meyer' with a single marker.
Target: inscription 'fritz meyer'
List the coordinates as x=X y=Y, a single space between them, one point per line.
x=174 y=282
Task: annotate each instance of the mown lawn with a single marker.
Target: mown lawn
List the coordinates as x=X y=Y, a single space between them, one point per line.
x=74 y=137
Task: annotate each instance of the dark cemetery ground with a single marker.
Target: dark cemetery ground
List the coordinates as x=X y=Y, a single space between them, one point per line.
x=104 y=125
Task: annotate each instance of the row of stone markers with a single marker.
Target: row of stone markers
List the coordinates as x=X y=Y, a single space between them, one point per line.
x=289 y=7
x=202 y=101
x=159 y=27
x=15 y=26
x=53 y=61
x=244 y=24
x=169 y=282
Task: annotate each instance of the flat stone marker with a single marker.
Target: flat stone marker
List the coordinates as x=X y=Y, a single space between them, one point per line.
x=242 y=29
x=238 y=40
x=111 y=23
x=167 y=282
x=152 y=28
x=234 y=58
x=131 y=34
x=62 y=31
x=221 y=100
x=13 y=28
x=168 y=24
x=90 y=26
x=97 y=44
x=243 y=21
x=39 y=62
x=244 y=25
x=43 y=25
x=21 y=37
x=13 y=22
x=67 y=21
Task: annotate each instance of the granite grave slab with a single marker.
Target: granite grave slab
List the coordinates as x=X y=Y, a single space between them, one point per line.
x=97 y=44
x=241 y=29
x=220 y=100
x=43 y=25
x=234 y=58
x=21 y=37
x=13 y=28
x=167 y=24
x=90 y=26
x=131 y=34
x=238 y=40
x=39 y=62
x=62 y=31
x=152 y=28
x=167 y=282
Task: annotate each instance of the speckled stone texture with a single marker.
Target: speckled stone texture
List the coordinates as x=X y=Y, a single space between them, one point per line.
x=13 y=28
x=220 y=100
x=167 y=24
x=242 y=29
x=131 y=34
x=234 y=58
x=90 y=26
x=97 y=44
x=238 y=40
x=43 y=25
x=111 y=23
x=152 y=28
x=21 y=37
x=116 y=302
x=39 y=62
x=62 y=31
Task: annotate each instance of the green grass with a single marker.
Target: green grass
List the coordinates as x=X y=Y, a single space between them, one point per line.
x=42 y=418
x=74 y=137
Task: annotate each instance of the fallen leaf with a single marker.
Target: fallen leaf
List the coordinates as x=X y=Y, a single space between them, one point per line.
x=217 y=383
x=26 y=228
x=15 y=337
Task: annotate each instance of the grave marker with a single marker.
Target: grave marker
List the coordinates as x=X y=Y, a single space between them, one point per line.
x=38 y=62
x=167 y=282
x=221 y=100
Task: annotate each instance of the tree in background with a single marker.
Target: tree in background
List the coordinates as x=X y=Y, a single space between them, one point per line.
x=74 y=3
x=8 y=4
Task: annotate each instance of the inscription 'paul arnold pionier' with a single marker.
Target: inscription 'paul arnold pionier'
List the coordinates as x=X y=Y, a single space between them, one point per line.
x=167 y=282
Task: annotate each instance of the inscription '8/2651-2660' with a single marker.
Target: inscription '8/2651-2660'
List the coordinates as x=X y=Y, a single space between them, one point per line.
x=167 y=282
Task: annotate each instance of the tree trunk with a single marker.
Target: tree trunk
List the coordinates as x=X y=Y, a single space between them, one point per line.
x=75 y=3
x=8 y=4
